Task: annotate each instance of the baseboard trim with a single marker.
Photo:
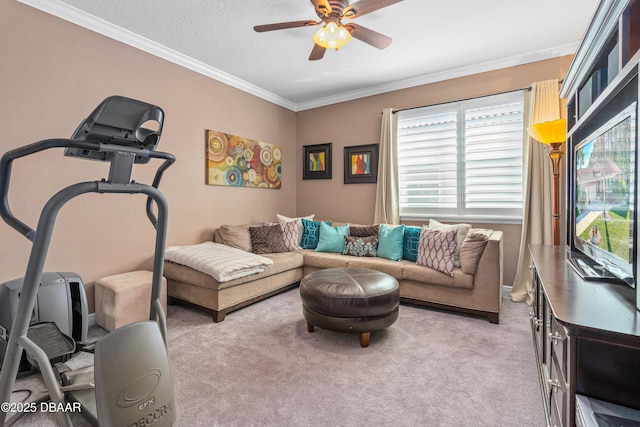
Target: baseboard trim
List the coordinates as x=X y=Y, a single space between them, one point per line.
x=506 y=291
x=91 y=318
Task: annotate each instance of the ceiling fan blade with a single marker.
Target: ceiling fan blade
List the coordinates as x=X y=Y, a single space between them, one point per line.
x=323 y=8
x=371 y=37
x=284 y=25
x=317 y=52
x=363 y=7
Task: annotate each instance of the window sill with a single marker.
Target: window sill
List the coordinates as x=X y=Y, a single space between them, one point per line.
x=465 y=219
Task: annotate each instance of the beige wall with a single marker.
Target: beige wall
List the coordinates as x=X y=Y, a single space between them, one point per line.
x=52 y=75
x=358 y=122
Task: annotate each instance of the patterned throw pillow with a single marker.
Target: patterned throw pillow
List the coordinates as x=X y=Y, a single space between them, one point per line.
x=291 y=234
x=364 y=230
x=267 y=239
x=410 y=243
x=310 y=233
x=436 y=250
x=360 y=246
x=282 y=219
x=463 y=229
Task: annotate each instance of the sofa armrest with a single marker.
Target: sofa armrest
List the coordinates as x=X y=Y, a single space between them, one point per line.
x=488 y=278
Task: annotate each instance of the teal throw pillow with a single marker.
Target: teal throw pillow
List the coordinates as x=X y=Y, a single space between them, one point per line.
x=310 y=234
x=332 y=238
x=410 y=243
x=391 y=241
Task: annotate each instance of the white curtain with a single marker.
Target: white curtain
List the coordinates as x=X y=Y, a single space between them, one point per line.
x=543 y=105
x=387 y=209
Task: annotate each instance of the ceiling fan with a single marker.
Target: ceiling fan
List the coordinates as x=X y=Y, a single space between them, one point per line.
x=334 y=34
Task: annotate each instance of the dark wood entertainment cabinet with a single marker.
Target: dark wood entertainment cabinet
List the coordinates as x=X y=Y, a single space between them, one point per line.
x=586 y=336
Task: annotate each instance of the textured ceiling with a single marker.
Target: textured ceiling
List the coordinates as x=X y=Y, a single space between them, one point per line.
x=432 y=40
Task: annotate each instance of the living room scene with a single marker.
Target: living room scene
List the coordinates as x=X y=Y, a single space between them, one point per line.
x=376 y=212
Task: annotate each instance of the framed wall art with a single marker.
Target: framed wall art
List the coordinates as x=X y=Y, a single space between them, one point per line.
x=242 y=162
x=316 y=161
x=361 y=164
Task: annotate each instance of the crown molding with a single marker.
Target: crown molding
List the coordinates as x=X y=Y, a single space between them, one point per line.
x=520 y=59
x=83 y=19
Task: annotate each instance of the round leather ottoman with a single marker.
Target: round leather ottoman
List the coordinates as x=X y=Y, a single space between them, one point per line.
x=350 y=300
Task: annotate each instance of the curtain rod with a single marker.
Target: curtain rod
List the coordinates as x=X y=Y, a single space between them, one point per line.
x=528 y=88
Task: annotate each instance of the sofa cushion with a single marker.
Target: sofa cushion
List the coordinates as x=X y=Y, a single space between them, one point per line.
x=417 y=273
x=310 y=233
x=360 y=246
x=324 y=259
x=331 y=238
x=392 y=268
x=267 y=239
x=472 y=249
x=364 y=230
x=463 y=229
x=282 y=262
x=436 y=250
x=410 y=243
x=236 y=236
x=390 y=243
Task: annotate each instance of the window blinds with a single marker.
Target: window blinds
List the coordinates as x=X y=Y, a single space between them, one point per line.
x=462 y=159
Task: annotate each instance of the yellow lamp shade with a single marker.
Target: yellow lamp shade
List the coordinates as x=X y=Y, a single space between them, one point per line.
x=554 y=131
x=332 y=36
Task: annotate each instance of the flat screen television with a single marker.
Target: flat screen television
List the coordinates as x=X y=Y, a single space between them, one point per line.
x=604 y=179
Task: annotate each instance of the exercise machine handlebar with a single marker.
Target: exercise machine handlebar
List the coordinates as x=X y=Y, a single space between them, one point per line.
x=7 y=160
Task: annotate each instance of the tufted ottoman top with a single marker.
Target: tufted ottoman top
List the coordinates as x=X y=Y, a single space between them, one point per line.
x=350 y=292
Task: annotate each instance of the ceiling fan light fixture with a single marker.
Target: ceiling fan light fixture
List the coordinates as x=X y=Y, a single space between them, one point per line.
x=332 y=36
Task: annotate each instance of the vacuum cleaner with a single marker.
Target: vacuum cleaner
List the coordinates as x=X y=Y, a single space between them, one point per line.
x=130 y=382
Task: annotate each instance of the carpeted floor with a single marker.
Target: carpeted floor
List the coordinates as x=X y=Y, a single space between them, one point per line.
x=260 y=367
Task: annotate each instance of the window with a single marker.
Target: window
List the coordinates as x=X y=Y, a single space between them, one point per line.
x=462 y=160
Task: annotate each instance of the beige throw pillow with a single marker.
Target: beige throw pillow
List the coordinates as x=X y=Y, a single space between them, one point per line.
x=236 y=236
x=472 y=249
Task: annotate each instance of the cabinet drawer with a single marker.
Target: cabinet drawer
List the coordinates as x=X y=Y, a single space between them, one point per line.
x=557 y=340
x=557 y=393
x=556 y=416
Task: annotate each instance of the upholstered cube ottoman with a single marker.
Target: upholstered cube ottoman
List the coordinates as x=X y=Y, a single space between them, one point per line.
x=124 y=298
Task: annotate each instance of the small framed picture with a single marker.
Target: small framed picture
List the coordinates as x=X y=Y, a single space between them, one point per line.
x=361 y=164
x=316 y=161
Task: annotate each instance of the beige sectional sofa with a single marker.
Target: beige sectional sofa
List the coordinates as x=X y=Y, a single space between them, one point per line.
x=479 y=293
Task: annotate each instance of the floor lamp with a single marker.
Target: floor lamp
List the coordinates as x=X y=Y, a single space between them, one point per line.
x=553 y=134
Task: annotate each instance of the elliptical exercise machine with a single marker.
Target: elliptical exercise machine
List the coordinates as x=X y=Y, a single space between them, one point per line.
x=130 y=383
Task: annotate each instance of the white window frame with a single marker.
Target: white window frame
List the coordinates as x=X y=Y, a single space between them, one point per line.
x=461 y=212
